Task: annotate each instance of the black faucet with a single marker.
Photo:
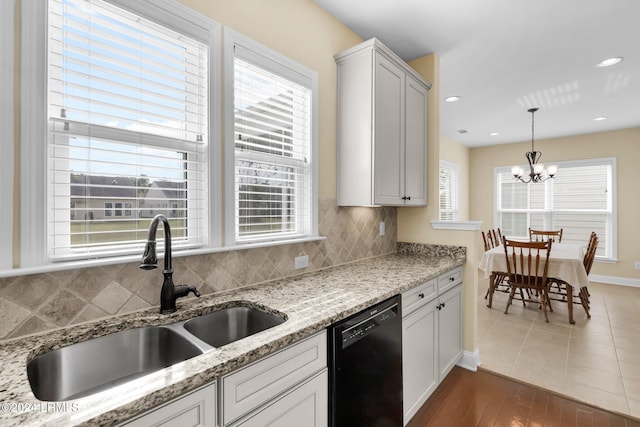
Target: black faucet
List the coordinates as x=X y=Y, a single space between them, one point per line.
x=170 y=293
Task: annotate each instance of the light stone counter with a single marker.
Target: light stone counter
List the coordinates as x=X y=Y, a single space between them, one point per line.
x=311 y=302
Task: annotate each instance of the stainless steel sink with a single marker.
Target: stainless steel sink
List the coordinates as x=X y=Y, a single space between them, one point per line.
x=95 y=365
x=89 y=367
x=231 y=324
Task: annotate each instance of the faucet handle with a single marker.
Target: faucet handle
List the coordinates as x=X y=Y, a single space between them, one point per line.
x=183 y=291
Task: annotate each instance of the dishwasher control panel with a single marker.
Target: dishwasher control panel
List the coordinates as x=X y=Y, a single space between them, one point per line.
x=368 y=325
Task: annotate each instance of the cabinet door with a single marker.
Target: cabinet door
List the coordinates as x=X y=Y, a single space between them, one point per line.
x=415 y=170
x=449 y=329
x=419 y=358
x=197 y=409
x=306 y=406
x=388 y=132
x=256 y=384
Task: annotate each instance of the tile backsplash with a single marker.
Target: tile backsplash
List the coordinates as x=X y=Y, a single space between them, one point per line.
x=40 y=302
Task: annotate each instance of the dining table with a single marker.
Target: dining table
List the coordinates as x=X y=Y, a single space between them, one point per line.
x=565 y=263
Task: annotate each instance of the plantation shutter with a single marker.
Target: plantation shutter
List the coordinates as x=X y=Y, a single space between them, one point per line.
x=128 y=135
x=579 y=200
x=582 y=204
x=448 y=193
x=272 y=142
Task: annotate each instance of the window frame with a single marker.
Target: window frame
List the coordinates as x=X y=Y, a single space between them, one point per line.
x=611 y=161
x=455 y=168
x=7 y=136
x=231 y=40
x=34 y=134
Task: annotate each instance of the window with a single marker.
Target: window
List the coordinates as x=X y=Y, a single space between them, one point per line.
x=449 y=190
x=128 y=113
x=580 y=199
x=122 y=98
x=271 y=144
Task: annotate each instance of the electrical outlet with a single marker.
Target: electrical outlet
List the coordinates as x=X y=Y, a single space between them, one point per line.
x=301 y=262
x=382 y=228
x=637 y=265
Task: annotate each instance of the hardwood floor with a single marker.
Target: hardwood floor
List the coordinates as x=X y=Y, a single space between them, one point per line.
x=482 y=398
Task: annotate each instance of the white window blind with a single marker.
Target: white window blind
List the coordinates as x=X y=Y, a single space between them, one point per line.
x=128 y=136
x=272 y=144
x=449 y=177
x=580 y=199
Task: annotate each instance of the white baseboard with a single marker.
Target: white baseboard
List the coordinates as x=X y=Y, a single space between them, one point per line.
x=470 y=360
x=614 y=280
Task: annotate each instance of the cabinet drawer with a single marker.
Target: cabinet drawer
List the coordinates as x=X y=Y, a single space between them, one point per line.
x=196 y=409
x=307 y=405
x=419 y=296
x=448 y=280
x=250 y=387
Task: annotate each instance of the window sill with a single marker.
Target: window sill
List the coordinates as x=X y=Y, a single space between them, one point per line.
x=88 y=263
x=456 y=225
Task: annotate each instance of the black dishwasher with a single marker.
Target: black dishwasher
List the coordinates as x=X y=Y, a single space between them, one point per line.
x=365 y=368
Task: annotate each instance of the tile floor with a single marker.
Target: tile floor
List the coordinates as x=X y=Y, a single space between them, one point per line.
x=595 y=360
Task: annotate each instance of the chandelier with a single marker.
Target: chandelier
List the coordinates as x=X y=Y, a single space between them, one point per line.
x=537 y=171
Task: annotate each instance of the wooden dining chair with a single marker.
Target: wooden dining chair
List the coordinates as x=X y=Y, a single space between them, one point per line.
x=491 y=240
x=487 y=239
x=558 y=287
x=527 y=266
x=540 y=235
x=497 y=235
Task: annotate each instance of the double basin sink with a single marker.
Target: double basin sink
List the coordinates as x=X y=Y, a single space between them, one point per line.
x=98 y=364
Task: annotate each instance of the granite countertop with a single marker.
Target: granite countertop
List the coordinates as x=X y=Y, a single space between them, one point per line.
x=311 y=301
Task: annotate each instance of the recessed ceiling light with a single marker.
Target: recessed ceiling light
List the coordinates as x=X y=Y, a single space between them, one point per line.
x=601 y=118
x=494 y=133
x=452 y=98
x=462 y=131
x=609 y=62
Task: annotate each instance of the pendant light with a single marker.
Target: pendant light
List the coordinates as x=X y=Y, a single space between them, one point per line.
x=537 y=171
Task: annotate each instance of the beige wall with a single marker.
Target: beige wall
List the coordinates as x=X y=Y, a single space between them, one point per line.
x=624 y=145
x=414 y=224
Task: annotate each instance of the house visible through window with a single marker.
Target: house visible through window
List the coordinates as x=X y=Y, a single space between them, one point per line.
x=128 y=123
x=580 y=199
x=449 y=191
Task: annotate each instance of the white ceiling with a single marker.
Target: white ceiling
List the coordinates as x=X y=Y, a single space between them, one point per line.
x=506 y=56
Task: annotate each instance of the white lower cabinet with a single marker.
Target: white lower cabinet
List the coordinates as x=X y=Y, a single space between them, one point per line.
x=431 y=337
x=449 y=330
x=305 y=405
x=197 y=409
x=279 y=388
x=419 y=357
x=286 y=388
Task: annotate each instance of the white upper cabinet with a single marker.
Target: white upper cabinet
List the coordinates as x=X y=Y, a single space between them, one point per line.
x=382 y=129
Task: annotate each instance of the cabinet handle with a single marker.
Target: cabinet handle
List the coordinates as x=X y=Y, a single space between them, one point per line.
x=439 y=306
x=421 y=295
x=442 y=305
x=406 y=198
x=451 y=279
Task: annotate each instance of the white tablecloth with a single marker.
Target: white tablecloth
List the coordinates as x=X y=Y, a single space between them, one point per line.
x=565 y=262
